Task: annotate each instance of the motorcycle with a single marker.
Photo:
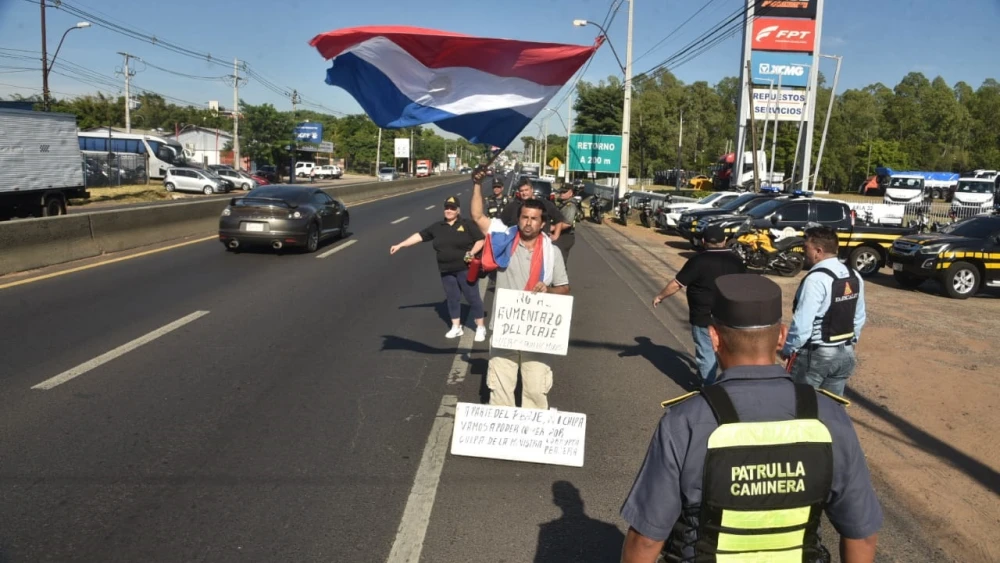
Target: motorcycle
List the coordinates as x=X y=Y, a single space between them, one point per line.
x=922 y=224
x=597 y=209
x=769 y=250
x=623 y=210
x=645 y=207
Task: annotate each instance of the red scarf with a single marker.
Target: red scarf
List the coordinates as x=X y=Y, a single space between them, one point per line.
x=537 y=261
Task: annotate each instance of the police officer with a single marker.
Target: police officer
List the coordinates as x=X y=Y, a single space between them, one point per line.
x=568 y=206
x=745 y=466
x=496 y=202
x=828 y=315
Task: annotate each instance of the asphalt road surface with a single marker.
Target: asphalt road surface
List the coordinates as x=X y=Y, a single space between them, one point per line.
x=197 y=405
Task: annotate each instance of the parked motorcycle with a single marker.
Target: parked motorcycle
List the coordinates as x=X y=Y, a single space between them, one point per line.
x=769 y=250
x=597 y=209
x=623 y=210
x=645 y=207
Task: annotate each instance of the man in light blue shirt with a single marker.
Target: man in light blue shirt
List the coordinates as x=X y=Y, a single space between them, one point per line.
x=828 y=316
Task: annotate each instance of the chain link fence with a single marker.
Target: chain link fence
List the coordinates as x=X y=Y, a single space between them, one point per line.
x=109 y=169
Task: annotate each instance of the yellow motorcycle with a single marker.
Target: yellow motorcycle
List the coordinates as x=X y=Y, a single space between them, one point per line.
x=770 y=250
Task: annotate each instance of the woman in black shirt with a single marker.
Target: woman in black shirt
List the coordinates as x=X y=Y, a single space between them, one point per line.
x=456 y=241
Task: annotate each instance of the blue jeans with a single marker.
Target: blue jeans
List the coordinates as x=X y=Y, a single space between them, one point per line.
x=455 y=286
x=704 y=354
x=826 y=367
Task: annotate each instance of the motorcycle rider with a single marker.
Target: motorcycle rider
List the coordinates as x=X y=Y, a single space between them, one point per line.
x=495 y=203
x=568 y=204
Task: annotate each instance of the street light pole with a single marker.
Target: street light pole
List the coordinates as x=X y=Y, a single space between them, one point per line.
x=46 y=65
x=826 y=122
x=627 y=106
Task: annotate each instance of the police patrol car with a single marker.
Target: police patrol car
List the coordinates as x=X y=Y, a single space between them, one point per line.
x=963 y=257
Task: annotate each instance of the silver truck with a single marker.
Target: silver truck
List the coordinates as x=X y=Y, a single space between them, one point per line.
x=41 y=166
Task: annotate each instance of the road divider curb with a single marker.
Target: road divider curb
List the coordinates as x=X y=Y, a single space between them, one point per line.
x=36 y=243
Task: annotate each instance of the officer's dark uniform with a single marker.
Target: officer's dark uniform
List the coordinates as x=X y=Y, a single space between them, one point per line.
x=494 y=204
x=745 y=466
x=570 y=211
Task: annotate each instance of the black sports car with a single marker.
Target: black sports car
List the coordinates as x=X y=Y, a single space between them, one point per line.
x=282 y=215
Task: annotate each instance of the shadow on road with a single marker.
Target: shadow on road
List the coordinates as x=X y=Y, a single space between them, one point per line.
x=975 y=469
x=574 y=536
x=678 y=366
x=441 y=307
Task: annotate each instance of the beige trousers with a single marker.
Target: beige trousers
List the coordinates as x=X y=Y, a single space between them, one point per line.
x=501 y=378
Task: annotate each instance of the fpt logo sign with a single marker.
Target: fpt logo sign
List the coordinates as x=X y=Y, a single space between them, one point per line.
x=791 y=68
x=773 y=34
x=309 y=132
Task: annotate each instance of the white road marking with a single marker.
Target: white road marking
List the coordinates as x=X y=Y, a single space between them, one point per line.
x=117 y=352
x=412 y=530
x=428 y=208
x=400 y=220
x=337 y=248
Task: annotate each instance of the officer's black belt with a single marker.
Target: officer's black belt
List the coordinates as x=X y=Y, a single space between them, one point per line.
x=817 y=346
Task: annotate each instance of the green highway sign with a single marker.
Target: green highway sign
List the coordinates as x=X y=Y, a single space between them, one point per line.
x=595 y=153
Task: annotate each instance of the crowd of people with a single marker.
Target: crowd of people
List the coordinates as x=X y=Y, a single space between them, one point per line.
x=741 y=468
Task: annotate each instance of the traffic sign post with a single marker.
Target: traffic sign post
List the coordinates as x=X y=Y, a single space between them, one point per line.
x=595 y=153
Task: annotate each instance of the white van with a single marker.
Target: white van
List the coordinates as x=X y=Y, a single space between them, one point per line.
x=974 y=193
x=904 y=189
x=304 y=168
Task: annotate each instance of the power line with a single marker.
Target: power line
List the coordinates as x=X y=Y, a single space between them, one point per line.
x=707 y=40
x=675 y=30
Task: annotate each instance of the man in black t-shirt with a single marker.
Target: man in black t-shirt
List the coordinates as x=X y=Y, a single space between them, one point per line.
x=698 y=276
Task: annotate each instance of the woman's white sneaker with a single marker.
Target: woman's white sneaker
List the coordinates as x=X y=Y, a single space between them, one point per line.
x=455 y=332
x=481 y=334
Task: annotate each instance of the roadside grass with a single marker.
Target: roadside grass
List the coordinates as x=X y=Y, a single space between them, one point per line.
x=135 y=193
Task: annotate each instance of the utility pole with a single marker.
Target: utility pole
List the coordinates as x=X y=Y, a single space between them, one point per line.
x=295 y=119
x=409 y=161
x=626 y=106
x=753 y=132
x=128 y=90
x=236 y=114
x=680 y=143
x=378 y=151
x=569 y=131
x=545 y=144
x=45 y=62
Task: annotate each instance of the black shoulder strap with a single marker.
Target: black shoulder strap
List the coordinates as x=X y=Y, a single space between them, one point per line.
x=823 y=270
x=720 y=403
x=806 y=405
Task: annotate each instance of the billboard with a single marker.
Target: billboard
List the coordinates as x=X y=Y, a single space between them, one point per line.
x=309 y=132
x=793 y=68
x=595 y=153
x=783 y=34
x=786 y=105
x=402 y=148
x=785 y=8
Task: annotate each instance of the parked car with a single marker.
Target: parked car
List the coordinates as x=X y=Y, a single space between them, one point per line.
x=240 y=179
x=329 y=171
x=387 y=174
x=194 y=180
x=282 y=215
x=261 y=181
x=217 y=167
x=963 y=257
x=304 y=168
x=269 y=173
x=673 y=211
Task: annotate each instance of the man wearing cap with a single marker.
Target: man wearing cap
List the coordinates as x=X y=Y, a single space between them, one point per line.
x=828 y=315
x=554 y=221
x=496 y=202
x=570 y=211
x=698 y=277
x=741 y=470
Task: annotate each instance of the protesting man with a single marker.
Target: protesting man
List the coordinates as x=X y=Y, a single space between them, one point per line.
x=698 y=276
x=828 y=315
x=526 y=260
x=741 y=470
x=570 y=210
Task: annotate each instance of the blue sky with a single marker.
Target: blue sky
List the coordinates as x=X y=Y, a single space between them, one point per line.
x=880 y=40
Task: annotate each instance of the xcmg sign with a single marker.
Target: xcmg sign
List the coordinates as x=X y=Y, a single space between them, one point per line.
x=792 y=68
x=785 y=8
x=777 y=34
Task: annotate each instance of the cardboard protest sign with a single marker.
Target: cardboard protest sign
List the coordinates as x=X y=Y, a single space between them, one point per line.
x=514 y=434
x=532 y=322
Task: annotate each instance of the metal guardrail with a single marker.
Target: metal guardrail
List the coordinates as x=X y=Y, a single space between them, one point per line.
x=658 y=200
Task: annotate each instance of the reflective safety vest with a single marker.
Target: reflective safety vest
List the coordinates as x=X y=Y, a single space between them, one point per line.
x=837 y=324
x=494 y=205
x=764 y=487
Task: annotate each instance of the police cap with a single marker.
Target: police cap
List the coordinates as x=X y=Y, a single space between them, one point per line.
x=746 y=301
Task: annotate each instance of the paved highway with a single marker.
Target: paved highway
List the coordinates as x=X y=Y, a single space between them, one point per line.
x=197 y=405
